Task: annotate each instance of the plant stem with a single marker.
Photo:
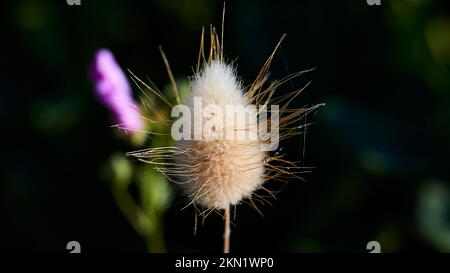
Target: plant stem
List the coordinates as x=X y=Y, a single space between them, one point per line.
x=226 y=235
x=155 y=238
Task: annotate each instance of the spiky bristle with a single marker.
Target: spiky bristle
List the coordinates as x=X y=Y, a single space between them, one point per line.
x=218 y=173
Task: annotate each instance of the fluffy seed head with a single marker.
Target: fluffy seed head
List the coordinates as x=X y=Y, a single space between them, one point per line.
x=216 y=171
x=222 y=172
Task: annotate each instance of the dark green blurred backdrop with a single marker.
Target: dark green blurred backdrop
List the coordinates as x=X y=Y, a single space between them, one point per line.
x=380 y=145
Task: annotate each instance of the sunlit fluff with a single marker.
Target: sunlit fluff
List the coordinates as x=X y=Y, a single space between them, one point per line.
x=114 y=92
x=218 y=172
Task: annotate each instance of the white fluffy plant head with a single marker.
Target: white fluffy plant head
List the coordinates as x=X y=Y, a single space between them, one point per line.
x=226 y=171
x=217 y=172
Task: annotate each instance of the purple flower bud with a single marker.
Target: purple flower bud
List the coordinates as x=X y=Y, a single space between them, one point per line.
x=114 y=91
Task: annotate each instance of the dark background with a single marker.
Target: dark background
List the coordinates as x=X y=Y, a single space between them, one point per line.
x=380 y=146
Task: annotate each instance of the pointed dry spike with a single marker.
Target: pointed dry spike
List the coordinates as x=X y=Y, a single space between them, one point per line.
x=293 y=97
x=201 y=52
x=257 y=84
x=262 y=199
x=214 y=44
x=161 y=96
x=145 y=102
x=268 y=93
x=153 y=85
x=211 y=47
x=297 y=112
x=223 y=27
x=279 y=99
x=292 y=76
x=147 y=99
x=169 y=71
x=211 y=211
x=213 y=39
x=197 y=210
x=268 y=191
x=149 y=107
x=216 y=36
x=256 y=207
x=218 y=49
x=264 y=69
x=269 y=97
